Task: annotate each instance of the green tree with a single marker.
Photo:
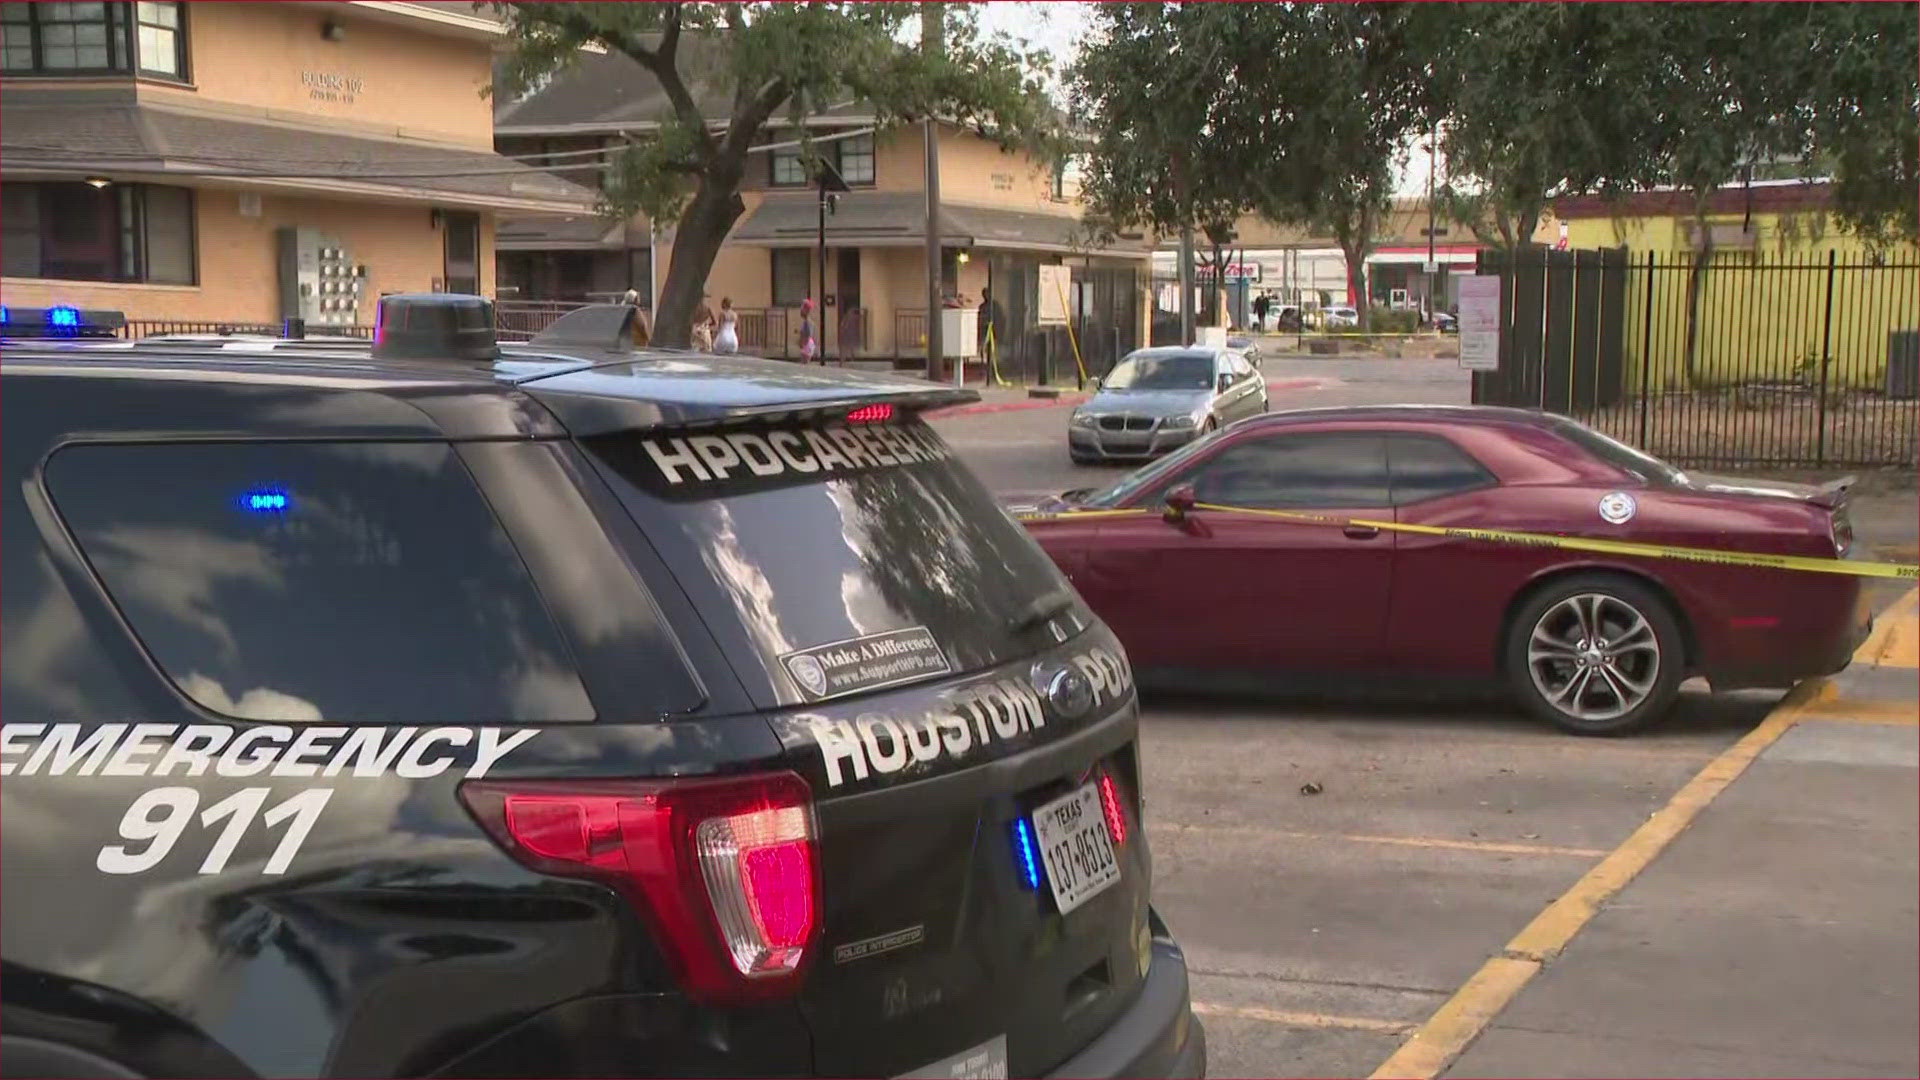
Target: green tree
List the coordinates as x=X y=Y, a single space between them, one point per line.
x=1324 y=99
x=1147 y=94
x=759 y=61
x=1521 y=125
x=1866 y=114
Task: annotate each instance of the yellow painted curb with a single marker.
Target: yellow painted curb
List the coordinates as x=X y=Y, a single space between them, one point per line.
x=1445 y=1036
x=1895 y=641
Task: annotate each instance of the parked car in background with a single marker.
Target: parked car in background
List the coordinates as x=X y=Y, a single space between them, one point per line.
x=1339 y=318
x=1246 y=347
x=1160 y=399
x=1596 y=644
x=1446 y=322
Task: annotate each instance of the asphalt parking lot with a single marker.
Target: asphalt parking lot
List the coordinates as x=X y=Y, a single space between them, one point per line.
x=1369 y=884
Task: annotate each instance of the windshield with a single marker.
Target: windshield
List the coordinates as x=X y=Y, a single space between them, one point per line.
x=1174 y=371
x=864 y=548
x=1117 y=493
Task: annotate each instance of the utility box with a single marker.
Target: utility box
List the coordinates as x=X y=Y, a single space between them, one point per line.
x=960 y=333
x=1903 y=364
x=319 y=282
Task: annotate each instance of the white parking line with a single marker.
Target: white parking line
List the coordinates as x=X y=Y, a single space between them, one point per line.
x=1302 y=1019
x=1491 y=847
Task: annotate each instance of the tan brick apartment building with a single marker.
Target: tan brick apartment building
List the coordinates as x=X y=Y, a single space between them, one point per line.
x=250 y=162
x=1003 y=215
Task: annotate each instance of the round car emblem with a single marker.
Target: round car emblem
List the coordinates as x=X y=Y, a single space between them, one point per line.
x=807 y=671
x=1068 y=691
x=1617 y=507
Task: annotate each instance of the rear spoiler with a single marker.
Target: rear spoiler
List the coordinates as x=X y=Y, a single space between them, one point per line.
x=1833 y=495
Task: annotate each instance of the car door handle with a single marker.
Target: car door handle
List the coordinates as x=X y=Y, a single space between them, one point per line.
x=1361 y=532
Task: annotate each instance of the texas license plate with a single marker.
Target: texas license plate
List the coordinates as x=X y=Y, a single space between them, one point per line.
x=1076 y=848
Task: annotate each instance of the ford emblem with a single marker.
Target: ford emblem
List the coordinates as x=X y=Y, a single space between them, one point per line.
x=1068 y=691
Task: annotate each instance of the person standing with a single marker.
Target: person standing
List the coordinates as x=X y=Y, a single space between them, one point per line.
x=809 y=346
x=985 y=330
x=703 y=325
x=642 y=325
x=727 y=341
x=1260 y=305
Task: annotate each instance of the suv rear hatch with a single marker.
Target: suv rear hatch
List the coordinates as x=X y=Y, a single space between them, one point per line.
x=965 y=726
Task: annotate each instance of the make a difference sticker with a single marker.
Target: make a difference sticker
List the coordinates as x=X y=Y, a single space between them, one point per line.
x=866 y=663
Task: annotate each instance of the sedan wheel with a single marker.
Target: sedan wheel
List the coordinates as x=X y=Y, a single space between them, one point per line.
x=1596 y=655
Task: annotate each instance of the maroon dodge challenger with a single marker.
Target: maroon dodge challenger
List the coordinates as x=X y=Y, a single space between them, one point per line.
x=1597 y=644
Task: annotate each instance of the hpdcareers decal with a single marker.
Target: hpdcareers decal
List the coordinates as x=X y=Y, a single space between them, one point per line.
x=877 y=743
x=158 y=817
x=788 y=453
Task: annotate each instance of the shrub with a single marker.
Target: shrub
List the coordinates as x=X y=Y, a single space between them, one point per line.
x=1391 y=321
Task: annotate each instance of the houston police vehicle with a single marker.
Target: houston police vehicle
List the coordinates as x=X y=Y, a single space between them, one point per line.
x=438 y=707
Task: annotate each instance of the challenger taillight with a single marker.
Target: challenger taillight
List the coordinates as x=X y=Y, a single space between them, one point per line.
x=726 y=871
x=1841 y=526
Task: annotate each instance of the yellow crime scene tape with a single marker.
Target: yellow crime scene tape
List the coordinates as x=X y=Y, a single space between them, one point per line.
x=1848 y=567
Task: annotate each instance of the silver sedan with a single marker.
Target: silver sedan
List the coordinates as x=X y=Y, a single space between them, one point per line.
x=1156 y=400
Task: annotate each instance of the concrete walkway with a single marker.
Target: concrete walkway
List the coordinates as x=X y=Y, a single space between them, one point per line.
x=1763 y=924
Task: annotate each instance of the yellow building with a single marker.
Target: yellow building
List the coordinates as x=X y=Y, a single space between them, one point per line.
x=1003 y=215
x=1785 y=287
x=229 y=163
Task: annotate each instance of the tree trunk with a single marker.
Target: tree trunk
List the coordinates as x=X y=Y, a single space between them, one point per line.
x=696 y=243
x=1355 y=252
x=1696 y=288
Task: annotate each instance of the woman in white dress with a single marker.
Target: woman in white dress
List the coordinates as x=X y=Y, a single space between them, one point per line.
x=727 y=340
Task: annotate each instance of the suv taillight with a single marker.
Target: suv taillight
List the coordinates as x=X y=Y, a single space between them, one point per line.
x=726 y=870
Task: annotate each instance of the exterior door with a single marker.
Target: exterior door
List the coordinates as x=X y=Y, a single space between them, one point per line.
x=461 y=233
x=1239 y=591
x=852 y=333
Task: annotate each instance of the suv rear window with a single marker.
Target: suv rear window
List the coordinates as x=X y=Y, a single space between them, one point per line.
x=362 y=583
x=834 y=536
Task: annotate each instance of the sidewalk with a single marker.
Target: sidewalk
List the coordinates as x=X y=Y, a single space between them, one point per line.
x=1777 y=934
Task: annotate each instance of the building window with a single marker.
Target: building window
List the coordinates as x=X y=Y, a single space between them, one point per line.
x=157 y=39
x=792 y=276
x=788 y=169
x=89 y=38
x=462 y=248
x=1066 y=178
x=76 y=232
x=856 y=159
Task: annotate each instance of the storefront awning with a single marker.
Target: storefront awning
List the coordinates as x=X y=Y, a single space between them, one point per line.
x=138 y=141
x=898 y=219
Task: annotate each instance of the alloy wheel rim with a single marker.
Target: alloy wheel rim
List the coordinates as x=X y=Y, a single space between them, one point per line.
x=1593 y=657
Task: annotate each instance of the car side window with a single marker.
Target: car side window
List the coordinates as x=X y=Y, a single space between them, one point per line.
x=360 y=583
x=1338 y=469
x=1429 y=466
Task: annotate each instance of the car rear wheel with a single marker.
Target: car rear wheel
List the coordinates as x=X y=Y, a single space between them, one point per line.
x=1595 y=654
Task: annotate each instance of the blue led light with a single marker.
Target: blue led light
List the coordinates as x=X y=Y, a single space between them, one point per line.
x=264 y=502
x=1027 y=849
x=63 y=318
x=6 y=317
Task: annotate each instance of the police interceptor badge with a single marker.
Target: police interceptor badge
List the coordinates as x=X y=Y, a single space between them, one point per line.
x=1617 y=508
x=866 y=663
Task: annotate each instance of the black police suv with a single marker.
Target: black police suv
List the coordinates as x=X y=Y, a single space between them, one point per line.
x=438 y=708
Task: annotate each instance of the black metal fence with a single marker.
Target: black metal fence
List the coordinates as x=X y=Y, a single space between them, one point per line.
x=143 y=328
x=1747 y=360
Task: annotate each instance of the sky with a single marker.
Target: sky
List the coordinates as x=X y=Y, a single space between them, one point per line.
x=1058 y=25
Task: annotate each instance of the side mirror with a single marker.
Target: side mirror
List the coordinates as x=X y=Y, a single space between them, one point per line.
x=1226 y=381
x=1094 y=382
x=1179 y=503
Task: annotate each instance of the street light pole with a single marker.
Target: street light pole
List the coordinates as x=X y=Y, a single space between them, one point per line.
x=932 y=42
x=1433 y=144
